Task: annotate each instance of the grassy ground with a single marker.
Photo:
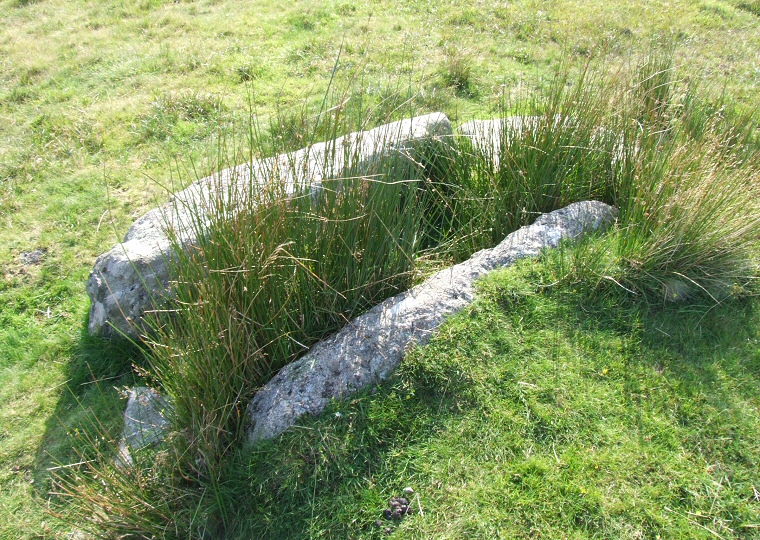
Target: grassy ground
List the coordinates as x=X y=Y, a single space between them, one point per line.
x=97 y=99
x=536 y=413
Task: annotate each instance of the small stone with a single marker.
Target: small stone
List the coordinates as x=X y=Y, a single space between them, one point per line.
x=408 y=491
x=145 y=422
x=29 y=258
x=78 y=535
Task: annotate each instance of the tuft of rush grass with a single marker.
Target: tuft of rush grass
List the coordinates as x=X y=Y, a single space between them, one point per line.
x=752 y=6
x=262 y=287
x=689 y=199
x=682 y=171
x=180 y=115
x=456 y=71
x=274 y=272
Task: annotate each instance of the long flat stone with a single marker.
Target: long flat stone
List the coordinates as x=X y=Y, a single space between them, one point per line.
x=369 y=348
x=133 y=276
x=491 y=137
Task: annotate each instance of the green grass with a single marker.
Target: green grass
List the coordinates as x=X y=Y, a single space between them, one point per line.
x=536 y=412
x=80 y=84
x=259 y=287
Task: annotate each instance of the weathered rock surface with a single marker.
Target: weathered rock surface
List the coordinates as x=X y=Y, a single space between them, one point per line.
x=30 y=258
x=369 y=348
x=145 y=422
x=486 y=135
x=133 y=276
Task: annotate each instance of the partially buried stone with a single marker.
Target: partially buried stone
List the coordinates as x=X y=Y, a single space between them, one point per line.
x=145 y=422
x=368 y=349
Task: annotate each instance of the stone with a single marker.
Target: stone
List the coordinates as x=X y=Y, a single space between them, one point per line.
x=486 y=135
x=133 y=276
x=78 y=535
x=368 y=348
x=29 y=258
x=145 y=422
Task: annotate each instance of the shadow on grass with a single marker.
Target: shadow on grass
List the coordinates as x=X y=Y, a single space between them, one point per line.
x=88 y=403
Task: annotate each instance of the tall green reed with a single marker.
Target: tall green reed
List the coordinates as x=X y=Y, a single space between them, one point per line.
x=542 y=152
x=683 y=174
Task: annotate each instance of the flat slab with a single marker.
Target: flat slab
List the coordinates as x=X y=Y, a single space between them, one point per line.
x=133 y=277
x=369 y=348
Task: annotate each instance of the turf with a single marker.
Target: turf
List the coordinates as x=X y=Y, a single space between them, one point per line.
x=103 y=103
x=535 y=413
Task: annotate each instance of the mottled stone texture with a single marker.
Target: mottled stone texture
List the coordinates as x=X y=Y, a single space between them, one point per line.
x=133 y=276
x=145 y=422
x=369 y=348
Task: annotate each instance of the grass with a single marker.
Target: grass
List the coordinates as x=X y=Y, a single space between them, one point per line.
x=536 y=412
x=287 y=269
x=79 y=80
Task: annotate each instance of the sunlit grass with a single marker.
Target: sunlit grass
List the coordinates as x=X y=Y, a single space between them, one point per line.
x=539 y=410
x=78 y=79
x=273 y=272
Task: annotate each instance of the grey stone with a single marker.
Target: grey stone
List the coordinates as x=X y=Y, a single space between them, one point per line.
x=79 y=535
x=133 y=276
x=145 y=422
x=29 y=258
x=486 y=135
x=369 y=348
